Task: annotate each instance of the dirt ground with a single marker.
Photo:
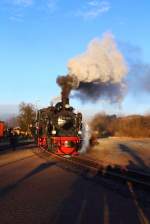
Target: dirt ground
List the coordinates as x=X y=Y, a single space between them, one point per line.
x=125 y=152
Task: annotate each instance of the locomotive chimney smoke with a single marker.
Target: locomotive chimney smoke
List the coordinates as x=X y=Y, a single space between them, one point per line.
x=100 y=71
x=67 y=83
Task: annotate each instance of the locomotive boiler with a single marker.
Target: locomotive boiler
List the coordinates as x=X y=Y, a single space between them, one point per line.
x=59 y=128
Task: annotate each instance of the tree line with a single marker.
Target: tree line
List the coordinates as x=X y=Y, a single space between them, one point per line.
x=129 y=126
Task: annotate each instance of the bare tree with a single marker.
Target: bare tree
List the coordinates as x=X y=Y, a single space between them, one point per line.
x=26 y=117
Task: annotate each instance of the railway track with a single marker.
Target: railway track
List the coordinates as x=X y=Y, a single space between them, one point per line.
x=130 y=175
x=97 y=168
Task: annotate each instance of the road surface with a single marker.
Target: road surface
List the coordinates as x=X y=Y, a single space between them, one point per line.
x=37 y=189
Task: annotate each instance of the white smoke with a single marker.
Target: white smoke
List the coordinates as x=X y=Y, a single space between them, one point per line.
x=55 y=100
x=85 y=137
x=102 y=64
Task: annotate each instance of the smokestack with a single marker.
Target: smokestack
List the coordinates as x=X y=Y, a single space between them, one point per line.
x=65 y=101
x=67 y=83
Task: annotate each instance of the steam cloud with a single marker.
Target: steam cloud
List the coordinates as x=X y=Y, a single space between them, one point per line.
x=97 y=73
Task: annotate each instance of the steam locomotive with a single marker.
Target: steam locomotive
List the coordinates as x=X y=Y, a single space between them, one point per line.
x=59 y=129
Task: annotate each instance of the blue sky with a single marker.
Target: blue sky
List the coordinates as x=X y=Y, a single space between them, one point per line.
x=38 y=37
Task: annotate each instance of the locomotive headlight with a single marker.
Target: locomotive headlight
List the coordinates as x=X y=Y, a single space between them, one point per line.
x=66 y=144
x=53 y=132
x=69 y=144
x=80 y=132
x=61 y=121
x=67 y=106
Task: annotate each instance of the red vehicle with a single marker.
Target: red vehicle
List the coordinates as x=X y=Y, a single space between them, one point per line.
x=59 y=129
x=2 y=128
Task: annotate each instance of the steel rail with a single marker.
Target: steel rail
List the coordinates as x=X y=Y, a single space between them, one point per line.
x=97 y=167
x=123 y=168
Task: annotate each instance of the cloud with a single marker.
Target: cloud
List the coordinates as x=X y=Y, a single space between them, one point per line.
x=93 y=3
x=16 y=17
x=94 y=9
x=17 y=8
x=52 y=5
x=24 y=3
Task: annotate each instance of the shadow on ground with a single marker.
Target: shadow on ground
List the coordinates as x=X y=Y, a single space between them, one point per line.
x=139 y=163
x=40 y=168
x=90 y=203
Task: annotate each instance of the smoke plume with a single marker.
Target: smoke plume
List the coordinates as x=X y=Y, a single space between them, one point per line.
x=67 y=83
x=97 y=73
x=100 y=71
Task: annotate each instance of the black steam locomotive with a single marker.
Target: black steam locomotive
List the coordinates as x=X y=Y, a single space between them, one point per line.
x=59 y=129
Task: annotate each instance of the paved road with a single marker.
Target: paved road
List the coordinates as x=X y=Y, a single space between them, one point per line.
x=41 y=190
x=6 y=146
